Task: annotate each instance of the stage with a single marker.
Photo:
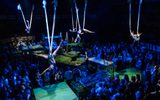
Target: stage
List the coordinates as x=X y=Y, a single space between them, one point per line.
x=102 y=64
x=72 y=58
x=59 y=91
x=100 y=61
x=95 y=78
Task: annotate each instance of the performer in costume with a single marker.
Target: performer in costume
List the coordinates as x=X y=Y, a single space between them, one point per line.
x=78 y=29
x=51 y=58
x=135 y=36
x=51 y=55
x=28 y=23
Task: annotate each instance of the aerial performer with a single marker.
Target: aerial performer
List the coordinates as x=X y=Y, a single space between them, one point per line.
x=28 y=23
x=51 y=54
x=77 y=29
x=51 y=58
x=135 y=36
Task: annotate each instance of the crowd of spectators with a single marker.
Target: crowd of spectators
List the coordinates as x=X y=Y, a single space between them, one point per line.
x=141 y=86
x=19 y=74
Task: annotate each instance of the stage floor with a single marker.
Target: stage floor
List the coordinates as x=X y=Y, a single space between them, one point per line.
x=129 y=71
x=60 y=91
x=95 y=78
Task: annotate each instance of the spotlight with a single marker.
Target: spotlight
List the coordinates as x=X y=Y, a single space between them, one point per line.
x=18 y=7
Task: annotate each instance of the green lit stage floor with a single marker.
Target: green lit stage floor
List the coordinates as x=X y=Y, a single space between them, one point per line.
x=129 y=71
x=60 y=91
x=72 y=58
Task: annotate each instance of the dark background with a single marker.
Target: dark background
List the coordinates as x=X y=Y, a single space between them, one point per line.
x=108 y=18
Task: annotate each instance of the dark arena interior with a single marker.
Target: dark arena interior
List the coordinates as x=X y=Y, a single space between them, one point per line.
x=79 y=50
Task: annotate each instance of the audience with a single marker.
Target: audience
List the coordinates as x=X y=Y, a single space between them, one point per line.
x=20 y=75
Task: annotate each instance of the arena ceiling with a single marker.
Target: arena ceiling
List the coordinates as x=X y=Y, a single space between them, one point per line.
x=109 y=18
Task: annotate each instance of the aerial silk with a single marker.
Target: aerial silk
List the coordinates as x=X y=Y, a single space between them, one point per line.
x=46 y=19
x=73 y=23
x=78 y=26
x=50 y=39
x=28 y=23
x=84 y=19
x=84 y=13
x=51 y=54
x=139 y=13
x=53 y=27
x=78 y=38
x=136 y=36
x=77 y=16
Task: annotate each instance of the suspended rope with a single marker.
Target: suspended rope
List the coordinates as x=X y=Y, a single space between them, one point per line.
x=19 y=8
x=78 y=38
x=130 y=14
x=51 y=54
x=136 y=36
x=77 y=15
x=139 y=13
x=26 y=22
x=30 y=24
x=84 y=19
x=72 y=19
x=78 y=25
x=84 y=14
x=53 y=27
x=47 y=27
x=66 y=38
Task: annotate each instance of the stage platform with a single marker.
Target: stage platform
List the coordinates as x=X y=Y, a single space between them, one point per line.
x=72 y=58
x=102 y=62
x=95 y=78
x=59 y=91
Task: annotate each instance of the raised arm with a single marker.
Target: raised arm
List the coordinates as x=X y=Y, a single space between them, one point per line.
x=42 y=55
x=55 y=51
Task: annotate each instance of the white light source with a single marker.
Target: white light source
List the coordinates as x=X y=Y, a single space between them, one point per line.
x=44 y=3
x=18 y=7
